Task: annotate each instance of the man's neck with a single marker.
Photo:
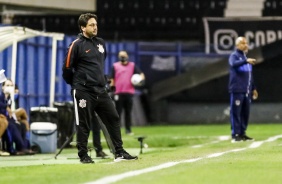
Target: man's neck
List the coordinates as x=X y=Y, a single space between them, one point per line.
x=85 y=35
x=124 y=63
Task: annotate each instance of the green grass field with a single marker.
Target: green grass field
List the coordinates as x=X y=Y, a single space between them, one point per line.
x=175 y=154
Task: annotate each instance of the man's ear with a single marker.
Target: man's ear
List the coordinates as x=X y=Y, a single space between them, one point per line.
x=82 y=28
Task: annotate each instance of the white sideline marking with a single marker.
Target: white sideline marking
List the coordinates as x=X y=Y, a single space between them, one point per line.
x=256 y=144
x=118 y=177
x=192 y=160
x=224 y=137
x=215 y=155
x=220 y=138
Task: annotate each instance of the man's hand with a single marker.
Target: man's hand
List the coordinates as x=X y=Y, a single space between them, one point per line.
x=113 y=88
x=251 y=61
x=255 y=94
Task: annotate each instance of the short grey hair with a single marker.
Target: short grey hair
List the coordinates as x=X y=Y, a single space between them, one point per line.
x=239 y=39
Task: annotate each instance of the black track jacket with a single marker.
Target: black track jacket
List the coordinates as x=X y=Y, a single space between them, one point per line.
x=83 y=65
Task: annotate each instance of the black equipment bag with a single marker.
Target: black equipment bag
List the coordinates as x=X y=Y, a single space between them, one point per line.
x=66 y=124
x=44 y=114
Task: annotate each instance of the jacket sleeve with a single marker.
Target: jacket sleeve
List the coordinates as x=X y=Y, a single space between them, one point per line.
x=137 y=69
x=105 y=50
x=69 y=63
x=234 y=61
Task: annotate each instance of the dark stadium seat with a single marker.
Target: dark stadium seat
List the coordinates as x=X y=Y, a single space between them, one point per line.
x=140 y=19
x=272 y=8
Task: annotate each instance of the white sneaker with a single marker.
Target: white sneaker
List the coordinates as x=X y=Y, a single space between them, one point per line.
x=4 y=153
x=130 y=133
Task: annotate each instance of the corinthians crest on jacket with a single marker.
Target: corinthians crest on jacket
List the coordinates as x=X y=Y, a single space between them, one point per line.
x=82 y=103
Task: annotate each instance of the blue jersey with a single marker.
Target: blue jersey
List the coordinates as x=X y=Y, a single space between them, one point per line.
x=240 y=75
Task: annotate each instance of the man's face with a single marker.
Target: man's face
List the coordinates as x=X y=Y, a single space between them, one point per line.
x=243 y=45
x=123 y=54
x=123 y=57
x=91 y=28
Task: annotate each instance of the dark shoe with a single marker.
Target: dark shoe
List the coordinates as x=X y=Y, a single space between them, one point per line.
x=101 y=154
x=124 y=156
x=18 y=153
x=237 y=138
x=86 y=160
x=29 y=152
x=246 y=138
x=128 y=132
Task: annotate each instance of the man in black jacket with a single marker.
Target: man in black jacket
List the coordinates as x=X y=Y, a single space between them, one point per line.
x=83 y=69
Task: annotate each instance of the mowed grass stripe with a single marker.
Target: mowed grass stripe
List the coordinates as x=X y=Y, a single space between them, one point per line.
x=167 y=144
x=115 y=178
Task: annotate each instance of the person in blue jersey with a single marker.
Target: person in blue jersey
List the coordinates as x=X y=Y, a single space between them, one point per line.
x=242 y=90
x=16 y=131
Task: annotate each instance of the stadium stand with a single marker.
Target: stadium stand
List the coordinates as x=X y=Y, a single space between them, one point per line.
x=50 y=23
x=272 y=8
x=157 y=20
x=147 y=25
x=150 y=19
x=136 y=20
x=242 y=8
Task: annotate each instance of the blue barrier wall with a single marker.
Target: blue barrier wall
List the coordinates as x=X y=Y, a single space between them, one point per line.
x=34 y=64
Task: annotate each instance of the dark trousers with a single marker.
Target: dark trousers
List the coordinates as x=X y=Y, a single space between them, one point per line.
x=239 y=112
x=13 y=135
x=86 y=104
x=96 y=133
x=125 y=101
x=25 y=134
